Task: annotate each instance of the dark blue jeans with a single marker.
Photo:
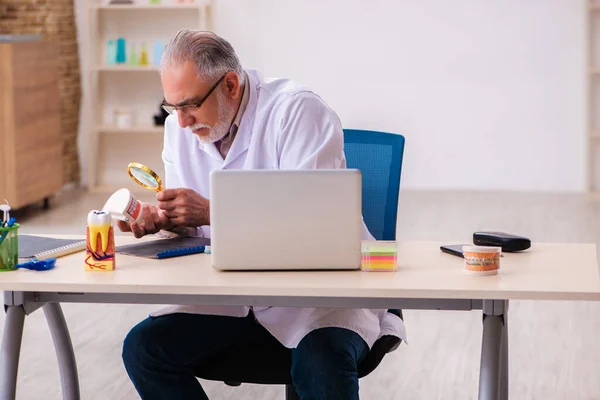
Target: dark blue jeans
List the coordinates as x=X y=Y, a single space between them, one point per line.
x=162 y=353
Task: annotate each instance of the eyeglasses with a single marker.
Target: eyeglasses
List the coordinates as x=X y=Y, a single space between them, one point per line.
x=195 y=105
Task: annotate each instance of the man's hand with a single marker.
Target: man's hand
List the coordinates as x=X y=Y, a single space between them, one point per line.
x=184 y=207
x=153 y=220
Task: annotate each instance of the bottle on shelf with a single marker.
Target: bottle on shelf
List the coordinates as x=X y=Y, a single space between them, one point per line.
x=121 y=56
x=133 y=58
x=111 y=52
x=144 y=55
x=157 y=53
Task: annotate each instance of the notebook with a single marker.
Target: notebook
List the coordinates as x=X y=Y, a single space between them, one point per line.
x=42 y=247
x=166 y=248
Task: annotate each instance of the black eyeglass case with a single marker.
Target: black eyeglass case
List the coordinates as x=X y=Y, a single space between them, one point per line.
x=509 y=243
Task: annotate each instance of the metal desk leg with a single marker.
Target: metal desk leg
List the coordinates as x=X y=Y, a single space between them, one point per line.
x=10 y=350
x=494 y=367
x=503 y=394
x=64 y=351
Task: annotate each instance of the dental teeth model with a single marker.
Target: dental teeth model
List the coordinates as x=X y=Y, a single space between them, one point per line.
x=100 y=246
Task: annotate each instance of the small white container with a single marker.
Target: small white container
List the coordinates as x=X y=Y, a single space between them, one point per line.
x=123 y=206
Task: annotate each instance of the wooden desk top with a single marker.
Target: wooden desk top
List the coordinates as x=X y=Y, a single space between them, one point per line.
x=544 y=272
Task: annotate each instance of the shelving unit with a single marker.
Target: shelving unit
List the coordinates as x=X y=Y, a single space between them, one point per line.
x=122 y=68
x=136 y=129
x=126 y=87
x=167 y=6
x=593 y=96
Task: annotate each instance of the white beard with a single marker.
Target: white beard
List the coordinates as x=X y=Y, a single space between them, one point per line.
x=221 y=127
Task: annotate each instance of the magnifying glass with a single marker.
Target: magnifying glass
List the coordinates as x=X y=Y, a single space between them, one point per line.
x=144 y=176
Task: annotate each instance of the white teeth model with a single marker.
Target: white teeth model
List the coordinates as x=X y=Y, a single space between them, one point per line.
x=98 y=218
x=99 y=222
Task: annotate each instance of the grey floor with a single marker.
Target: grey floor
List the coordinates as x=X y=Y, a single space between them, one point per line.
x=555 y=346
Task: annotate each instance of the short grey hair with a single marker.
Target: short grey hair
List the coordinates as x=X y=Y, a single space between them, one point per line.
x=213 y=55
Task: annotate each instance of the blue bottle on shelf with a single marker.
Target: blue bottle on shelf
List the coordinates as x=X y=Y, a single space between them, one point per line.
x=121 y=51
x=157 y=53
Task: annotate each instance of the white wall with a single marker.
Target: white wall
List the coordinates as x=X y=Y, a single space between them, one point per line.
x=489 y=94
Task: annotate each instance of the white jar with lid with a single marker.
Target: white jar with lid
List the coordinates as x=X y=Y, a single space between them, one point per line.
x=122 y=205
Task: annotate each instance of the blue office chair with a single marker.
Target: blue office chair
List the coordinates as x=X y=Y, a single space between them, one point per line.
x=378 y=156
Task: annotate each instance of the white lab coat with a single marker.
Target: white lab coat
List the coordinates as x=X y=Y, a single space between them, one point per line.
x=284 y=126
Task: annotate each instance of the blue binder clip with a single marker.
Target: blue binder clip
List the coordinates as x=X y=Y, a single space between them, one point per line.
x=38 y=265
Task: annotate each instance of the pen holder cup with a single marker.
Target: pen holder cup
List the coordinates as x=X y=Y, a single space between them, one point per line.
x=9 y=247
x=380 y=256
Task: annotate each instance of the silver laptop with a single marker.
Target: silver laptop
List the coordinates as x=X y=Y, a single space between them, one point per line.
x=285 y=219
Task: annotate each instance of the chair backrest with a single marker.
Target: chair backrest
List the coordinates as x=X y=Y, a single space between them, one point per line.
x=378 y=155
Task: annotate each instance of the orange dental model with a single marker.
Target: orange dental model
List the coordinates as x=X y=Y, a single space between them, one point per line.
x=482 y=260
x=100 y=242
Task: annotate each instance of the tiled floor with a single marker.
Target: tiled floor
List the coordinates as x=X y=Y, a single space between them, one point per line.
x=554 y=353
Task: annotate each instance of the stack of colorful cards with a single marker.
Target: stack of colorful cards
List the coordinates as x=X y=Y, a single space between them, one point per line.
x=380 y=256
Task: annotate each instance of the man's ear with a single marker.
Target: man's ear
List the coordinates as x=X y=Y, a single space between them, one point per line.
x=232 y=82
